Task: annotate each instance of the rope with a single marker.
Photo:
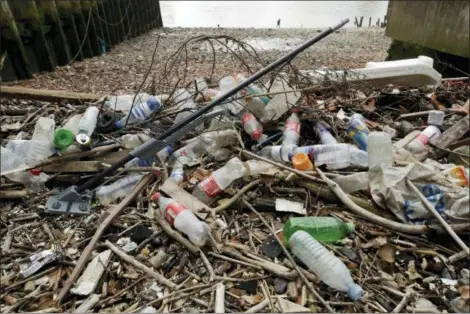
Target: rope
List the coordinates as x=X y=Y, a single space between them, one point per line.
x=83 y=41
x=122 y=19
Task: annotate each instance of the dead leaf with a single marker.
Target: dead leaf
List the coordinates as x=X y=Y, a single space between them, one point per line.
x=402 y=109
x=464 y=291
x=372 y=124
x=411 y=272
x=387 y=253
x=376 y=243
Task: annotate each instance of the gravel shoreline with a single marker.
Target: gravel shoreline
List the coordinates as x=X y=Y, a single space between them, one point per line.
x=122 y=69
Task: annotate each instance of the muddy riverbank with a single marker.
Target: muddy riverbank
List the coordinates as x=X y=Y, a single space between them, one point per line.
x=122 y=69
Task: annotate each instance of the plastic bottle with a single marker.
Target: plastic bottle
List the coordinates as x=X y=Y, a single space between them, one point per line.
x=141 y=111
x=72 y=123
x=353 y=182
x=185 y=101
x=251 y=126
x=106 y=194
x=335 y=156
x=301 y=161
x=280 y=153
x=358 y=131
x=418 y=145
x=65 y=136
x=291 y=133
x=252 y=89
x=41 y=143
x=436 y=117
x=325 y=136
x=330 y=269
x=177 y=172
x=255 y=167
x=32 y=180
x=380 y=149
x=183 y=219
x=325 y=229
x=87 y=125
x=219 y=180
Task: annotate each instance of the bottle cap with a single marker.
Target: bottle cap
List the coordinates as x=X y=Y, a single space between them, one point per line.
x=155 y=196
x=301 y=161
x=35 y=171
x=294 y=110
x=255 y=135
x=63 y=138
x=119 y=124
x=82 y=138
x=350 y=227
x=355 y=292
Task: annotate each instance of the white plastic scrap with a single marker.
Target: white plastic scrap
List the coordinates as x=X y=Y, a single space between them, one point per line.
x=40 y=259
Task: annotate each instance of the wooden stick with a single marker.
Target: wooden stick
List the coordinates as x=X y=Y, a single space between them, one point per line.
x=457 y=257
x=130 y=260
x=14 y=194
x=403 y=302
x=219 y=306
x=208 y=266
x=108 y=218
x=258 y=307
x=444 y=223
x=297 y=269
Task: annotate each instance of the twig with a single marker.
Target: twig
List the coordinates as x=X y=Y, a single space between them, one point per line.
x=232 y=260
x=403 y=302
x=431 y=208
x=174 y=234
x=99 y=231
x=258 y=307
x=234 y=198
x=72 y=233
x=129 y=259
x=297 y=172
x=219 y=306
x=208 y=266
x=457 y=257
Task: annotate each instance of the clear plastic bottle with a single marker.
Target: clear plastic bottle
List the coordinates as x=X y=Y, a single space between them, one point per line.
x=252 y=89
x=358 y=131
x=336 y=156
x=280 y=153
x=185 y=101
x=72 y=123
x=183 y=219
x=418 y=145
x=379 y=149
x=141 y=111
x=330 y=269
x=41 y=143
x=177 y=172
x=291 y=133
x=106 y=194
x=219 y=180
x=251 y=126
x=87 y=125
x=324 y=134
x=33 y=180
x=255 y=167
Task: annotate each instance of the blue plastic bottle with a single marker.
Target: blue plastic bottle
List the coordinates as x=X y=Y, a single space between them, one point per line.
x=141 y=111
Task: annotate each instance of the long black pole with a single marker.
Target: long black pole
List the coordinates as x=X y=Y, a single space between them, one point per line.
x=96 y=179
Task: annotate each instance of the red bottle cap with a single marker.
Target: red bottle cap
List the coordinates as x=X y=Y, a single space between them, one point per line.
x=155 y=196
x=294 y=110
x=35 y=171
x=256 y=135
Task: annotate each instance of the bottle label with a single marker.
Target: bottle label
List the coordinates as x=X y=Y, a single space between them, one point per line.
x=210 y=187
x=292 y=126
x=423 y=139
x=247 y=117
x=173 y=210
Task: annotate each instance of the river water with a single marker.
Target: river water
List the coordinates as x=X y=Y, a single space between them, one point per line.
x=264 y=14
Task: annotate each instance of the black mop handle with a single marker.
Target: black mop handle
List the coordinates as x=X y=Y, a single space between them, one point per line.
x=96 y=179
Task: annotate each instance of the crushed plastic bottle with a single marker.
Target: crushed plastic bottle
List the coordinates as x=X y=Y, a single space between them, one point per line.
x=183 y=219
x=107 y=194
x=325 y=229
x=41 y=143
x=358 y=131
x=291 y=134
x=141 y=111
x=380 y=149
x=33 y=179
x=419 y=144
x=219 y=180
x=336 y=156
x=330 y=269
x=255 y=167
x=324 y=134
x=251 y=126
x=353 y=182
x=279 y=153
x=185 y=101
x=87 y=125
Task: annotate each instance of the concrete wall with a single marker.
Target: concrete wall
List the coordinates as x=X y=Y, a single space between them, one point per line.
x=440 y=25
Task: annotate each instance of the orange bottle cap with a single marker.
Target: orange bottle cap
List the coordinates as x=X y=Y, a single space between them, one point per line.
x=301 y=161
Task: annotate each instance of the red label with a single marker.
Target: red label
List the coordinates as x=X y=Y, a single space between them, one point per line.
x=173 y=210
x=292 y=126
x=247 y=117
x=210 y=187
x=423 y=139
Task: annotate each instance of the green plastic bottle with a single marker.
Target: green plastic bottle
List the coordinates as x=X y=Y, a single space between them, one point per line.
x=325 y=229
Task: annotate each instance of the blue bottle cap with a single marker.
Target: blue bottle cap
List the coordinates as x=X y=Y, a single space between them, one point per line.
x=169 y=149
x=118 y=124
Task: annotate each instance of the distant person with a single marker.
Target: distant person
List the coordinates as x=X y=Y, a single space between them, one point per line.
x=218 y=26
x=279 y=23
